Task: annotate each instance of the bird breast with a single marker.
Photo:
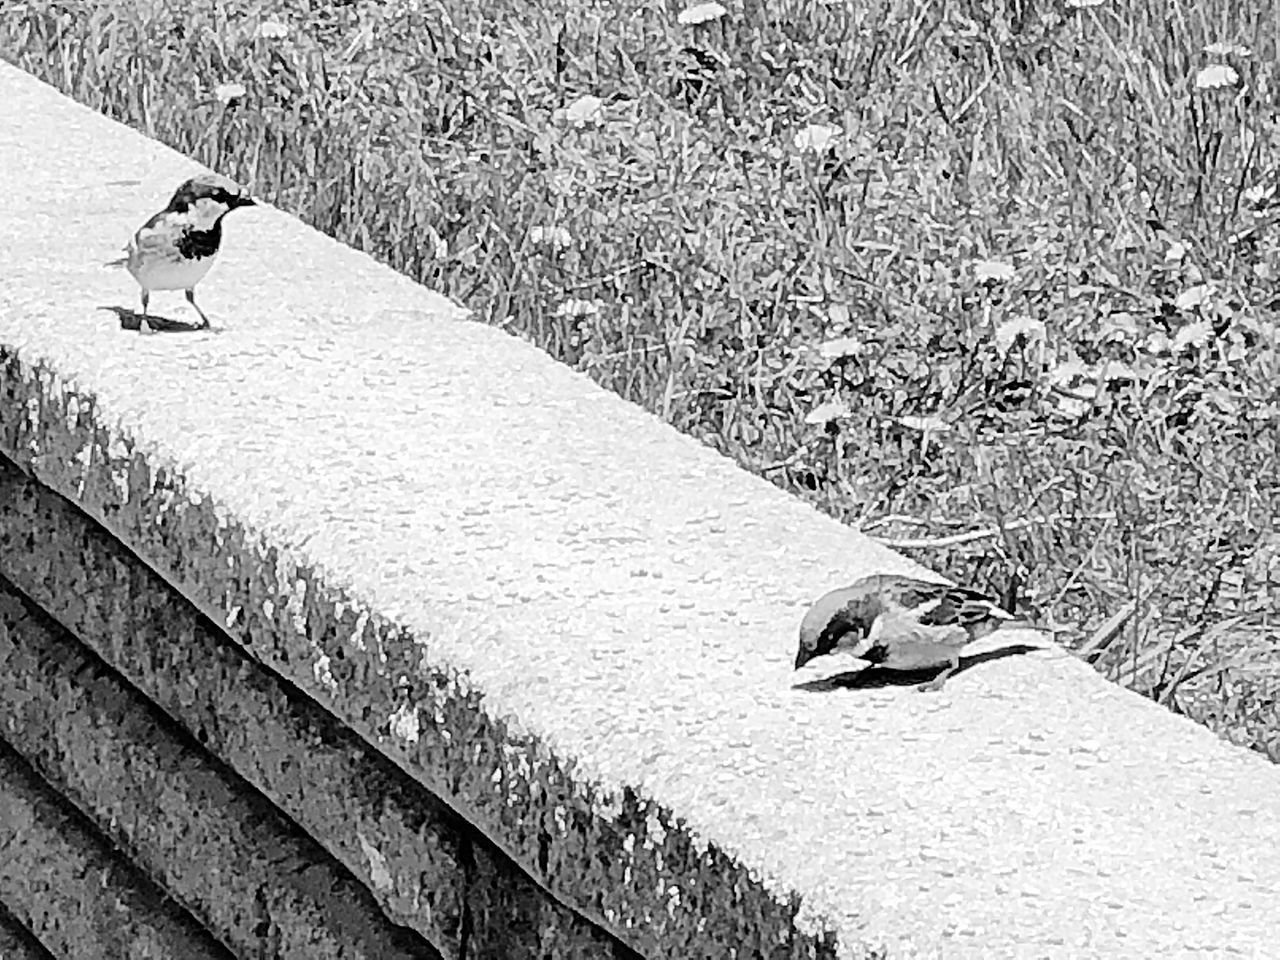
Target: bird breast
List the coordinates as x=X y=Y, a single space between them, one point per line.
x=160 y=266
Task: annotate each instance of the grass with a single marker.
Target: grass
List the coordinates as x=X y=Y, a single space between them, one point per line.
x=992 y=280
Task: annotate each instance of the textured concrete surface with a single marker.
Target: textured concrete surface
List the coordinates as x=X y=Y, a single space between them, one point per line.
x=421 y=861
x=17 y=942
x=260 y=885
x=65 y=883
x=577 y=626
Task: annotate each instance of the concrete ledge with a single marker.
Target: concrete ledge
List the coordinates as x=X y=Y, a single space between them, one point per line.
x=65 y=883
x=575 y=627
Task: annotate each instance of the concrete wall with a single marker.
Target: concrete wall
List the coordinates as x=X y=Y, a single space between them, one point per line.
x=219 y=779
x=361 y=629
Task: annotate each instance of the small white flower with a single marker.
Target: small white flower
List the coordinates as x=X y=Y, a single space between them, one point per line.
x=1007 y=333
x=838 y=313
x=1069 y=372
x=995 y=270
x=827 y=412
x=1073 y=407
x=1116 y=370
x=1217 y=75
x=578 y=308
x=1119 y=326
x=1177 y=250
x=930 y=423
x=438 y=244
x=1259 y=195
x=840 y=348
x=586 y=109
x=227 y=92
x=817 y=138
x=1221 y=49
x=271 y=30
x=700 y=13
x=1192 y=297
x=552 y=236
x=1195 y=334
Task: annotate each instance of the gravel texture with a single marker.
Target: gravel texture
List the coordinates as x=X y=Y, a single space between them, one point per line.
x=579 y=625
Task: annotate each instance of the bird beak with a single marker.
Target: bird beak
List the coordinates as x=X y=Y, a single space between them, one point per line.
x=803 y=656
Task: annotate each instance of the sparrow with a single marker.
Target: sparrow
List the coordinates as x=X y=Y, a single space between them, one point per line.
x=899 y=623
x=175 y=248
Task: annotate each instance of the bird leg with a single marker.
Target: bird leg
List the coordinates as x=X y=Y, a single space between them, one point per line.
x=191 y=299
x=145 y=323
x=937 y=682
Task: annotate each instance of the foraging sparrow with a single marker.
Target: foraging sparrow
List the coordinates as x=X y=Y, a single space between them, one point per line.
x=175 y=248
x=899 y=623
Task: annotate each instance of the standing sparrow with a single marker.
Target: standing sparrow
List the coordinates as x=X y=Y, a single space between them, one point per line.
x=175 y=248
x=899 y=623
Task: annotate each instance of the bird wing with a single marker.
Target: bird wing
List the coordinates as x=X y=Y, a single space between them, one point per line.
x=918 y=653
x=157 y=237
x=149 y=245
x=935 y=604
x=898 y=638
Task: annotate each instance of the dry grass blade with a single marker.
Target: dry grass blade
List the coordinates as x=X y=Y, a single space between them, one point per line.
x=1097 y=644
x=1185 y=672
x=1135 y=670
x=955 y=539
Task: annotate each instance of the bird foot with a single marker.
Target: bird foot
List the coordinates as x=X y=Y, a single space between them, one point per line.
x=937 y=683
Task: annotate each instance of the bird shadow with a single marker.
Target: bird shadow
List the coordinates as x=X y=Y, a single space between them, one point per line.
x=874 y=677
x=132 y=320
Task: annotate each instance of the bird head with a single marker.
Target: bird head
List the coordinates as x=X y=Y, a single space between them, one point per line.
x=209 y=197
x=839 y=619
